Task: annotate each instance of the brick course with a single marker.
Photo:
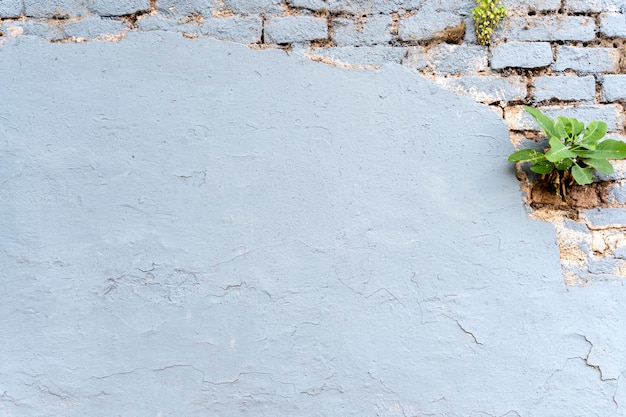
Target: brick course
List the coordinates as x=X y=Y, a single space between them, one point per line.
x=613 y=88
x=522 y=55
x=11 y=8
x=487 y=89
x=613 y=25
x=612 y=114
x=295 y=29
x=55 y=8
x=565 y=88
x=239 y=29
x=117 y=7
x=414 y=29
x=594 y=6
x=374 y=30
x=587 y=60
x=548 y=28
x=458 y=59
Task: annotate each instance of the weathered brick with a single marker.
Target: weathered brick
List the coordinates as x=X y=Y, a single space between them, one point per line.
x=604 y=218
x=617 y=194
x=613 y=25
x=565 y=88
x=117 y=7
x=363 y=56
x=415 y=58
x=547 y=28
x=611 y=114
x=594 y=6
x=55 y=8
x=457 y=59
x=460 y=7
x=608 y=266
x=95 y=27
x=247 y=7
x=150 y=22
x=11 y=8
x=439 y=26
x=522 y=55
x=295 y=29
x=185 y=7
x=620 y=252
x=360 y=7
x=487 y=89
x=532 y=5
x=470 y=31
x=613 y=87
x=238 y=29
x=586 y=60
x=33 y=28
x=374 y=30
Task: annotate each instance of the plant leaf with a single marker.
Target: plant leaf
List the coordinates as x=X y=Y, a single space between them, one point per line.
x=547 y=124
x=601 y=165
x=563 y=164
x=542 y=167
x=526 y=155
x=607 y=149
x=595 y=131
x=559 y=151
x=568 y=126
x=560 y=127
x=578 y=127
x=582 y=175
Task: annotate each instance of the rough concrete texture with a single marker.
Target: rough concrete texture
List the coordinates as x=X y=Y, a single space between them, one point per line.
x=55 y=8
x=95 y=28
x=548 y=28
x=360 y=7
x=11 y=8
x=351 y=56
x=612 y=115
x=613 y=87
x=439 y=23
x=118 y=7
x=237 y=29
x=568 y=88
x=486 y=89
x=532 y=5
x=458 y=59
x=613 y=24
x=372 y=31
x=197 y=228
x=252 y=6
x=586 y=60
x=521 y=54
x=594 y=6
x=295 y=29
x=186 y=7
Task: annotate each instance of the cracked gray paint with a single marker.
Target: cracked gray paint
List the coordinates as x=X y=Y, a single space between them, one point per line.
x=191 y=227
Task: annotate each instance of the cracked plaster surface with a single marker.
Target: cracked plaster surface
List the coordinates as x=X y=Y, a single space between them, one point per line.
x=194 y=227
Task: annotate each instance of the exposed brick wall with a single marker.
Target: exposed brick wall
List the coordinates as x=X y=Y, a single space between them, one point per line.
x=567 y=57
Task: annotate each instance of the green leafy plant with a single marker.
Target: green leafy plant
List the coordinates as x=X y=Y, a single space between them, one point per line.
x=488 y=15
x=575 y=151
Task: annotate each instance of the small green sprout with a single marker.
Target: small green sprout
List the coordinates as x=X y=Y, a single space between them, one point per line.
x=488 y=15
x=575 y=152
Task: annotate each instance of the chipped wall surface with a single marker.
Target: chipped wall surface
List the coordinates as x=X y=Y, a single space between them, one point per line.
x=566 y=57
x=195 y=227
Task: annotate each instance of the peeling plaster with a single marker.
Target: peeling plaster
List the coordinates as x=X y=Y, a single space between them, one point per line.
x=188 y=242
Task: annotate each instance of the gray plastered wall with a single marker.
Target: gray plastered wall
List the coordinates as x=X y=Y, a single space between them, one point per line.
x=567 y=55
x=195 y=227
